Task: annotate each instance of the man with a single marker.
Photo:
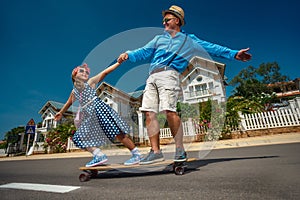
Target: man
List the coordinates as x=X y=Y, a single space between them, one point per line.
x=170 y=54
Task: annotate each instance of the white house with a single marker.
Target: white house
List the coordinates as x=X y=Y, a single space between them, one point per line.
x=202 y=80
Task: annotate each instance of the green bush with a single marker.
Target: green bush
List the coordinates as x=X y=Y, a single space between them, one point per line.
x=57 y=138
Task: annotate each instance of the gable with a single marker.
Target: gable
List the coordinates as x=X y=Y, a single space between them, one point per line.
x=209 y=66
x=55 y=107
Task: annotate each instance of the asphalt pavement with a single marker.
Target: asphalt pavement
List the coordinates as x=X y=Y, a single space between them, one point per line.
x=195 y=146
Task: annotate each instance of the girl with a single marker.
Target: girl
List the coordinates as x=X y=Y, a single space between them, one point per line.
x=100 y=123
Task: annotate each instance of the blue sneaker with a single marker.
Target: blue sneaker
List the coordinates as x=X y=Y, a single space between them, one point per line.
x=97 y=160
x=135 y=159
x=180 y=155
x=152 y=158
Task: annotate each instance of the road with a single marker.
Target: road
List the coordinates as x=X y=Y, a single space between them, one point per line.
x=259 y=172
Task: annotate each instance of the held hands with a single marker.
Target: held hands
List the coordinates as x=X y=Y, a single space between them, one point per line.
x=122 y=57
x=243 y=55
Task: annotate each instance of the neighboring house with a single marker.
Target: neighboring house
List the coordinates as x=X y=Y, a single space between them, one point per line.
x=48 y=112
x=288 y=93
x=286 y=89
x=125 y=104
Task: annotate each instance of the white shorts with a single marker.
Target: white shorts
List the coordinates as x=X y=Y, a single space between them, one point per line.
x=161 y=92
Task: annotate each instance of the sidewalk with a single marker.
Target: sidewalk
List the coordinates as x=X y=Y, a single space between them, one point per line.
x=197 y=146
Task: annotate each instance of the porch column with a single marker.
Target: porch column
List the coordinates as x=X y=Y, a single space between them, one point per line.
x=141 y=126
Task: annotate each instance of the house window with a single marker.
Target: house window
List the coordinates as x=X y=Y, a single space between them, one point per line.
x=49 y=123
x=201 y=89
x=191 y=91
x=210 y=85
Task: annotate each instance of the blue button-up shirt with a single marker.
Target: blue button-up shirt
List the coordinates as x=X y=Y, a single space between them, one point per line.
x=162 y=48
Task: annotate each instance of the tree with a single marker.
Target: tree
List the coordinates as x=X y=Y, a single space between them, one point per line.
x=269 y=72
x=14 y=132
x=245 y=74
x=186 y=111
x=251 y=93
x=3 y=145
x=205 y=111
x=250 y=88
x=237 y=104
x=251 y=82
x=12 y=136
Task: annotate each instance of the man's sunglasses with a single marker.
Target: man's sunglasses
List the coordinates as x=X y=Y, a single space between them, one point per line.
x=166 y=20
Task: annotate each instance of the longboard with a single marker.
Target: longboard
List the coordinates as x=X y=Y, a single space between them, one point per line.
x=90 y=172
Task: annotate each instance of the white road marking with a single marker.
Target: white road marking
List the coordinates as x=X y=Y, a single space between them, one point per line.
x=40 y=187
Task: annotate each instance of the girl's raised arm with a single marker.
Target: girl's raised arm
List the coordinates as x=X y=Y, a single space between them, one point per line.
x=67 y=105
x=99 y=77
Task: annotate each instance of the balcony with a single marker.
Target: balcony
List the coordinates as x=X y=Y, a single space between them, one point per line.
x=198 y=94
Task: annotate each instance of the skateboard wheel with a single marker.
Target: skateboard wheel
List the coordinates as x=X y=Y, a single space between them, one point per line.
x=179 y=170
x=84 y=177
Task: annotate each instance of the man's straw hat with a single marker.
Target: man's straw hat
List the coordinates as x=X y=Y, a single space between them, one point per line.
x=177 y=11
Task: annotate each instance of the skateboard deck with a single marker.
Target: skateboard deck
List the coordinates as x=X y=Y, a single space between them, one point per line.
x=90 y=172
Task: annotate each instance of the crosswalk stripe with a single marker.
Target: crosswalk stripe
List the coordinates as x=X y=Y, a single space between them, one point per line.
x=40 y=187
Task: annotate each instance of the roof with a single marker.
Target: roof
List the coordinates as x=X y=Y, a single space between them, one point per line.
x=56 y=105
x=136 y=94
x=205 y=64
x=288 y=94
x=104 y=84
x=207 y=67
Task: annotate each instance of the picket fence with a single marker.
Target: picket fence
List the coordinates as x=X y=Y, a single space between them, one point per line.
x=256 y=121
x=190 y=128
x=271 y=119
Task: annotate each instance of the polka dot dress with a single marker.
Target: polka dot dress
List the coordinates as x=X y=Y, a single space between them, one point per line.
x=100 y=124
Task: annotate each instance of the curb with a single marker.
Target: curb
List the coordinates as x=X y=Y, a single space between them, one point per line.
x=284 y=138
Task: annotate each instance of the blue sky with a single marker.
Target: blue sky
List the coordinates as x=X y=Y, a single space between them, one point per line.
x=41 y=41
